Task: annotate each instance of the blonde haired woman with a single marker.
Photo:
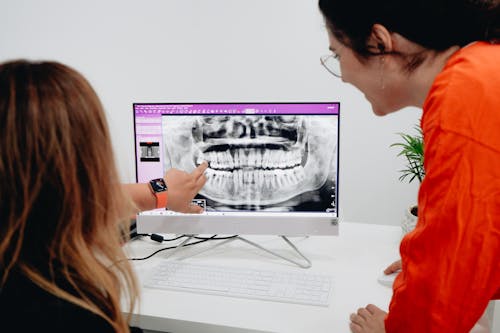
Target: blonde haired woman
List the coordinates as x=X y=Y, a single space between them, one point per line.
x=62 y=268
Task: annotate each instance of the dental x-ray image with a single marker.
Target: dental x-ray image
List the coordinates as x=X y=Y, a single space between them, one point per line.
x=258 y=162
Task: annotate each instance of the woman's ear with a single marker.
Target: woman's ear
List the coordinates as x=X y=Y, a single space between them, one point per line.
x=380 y=40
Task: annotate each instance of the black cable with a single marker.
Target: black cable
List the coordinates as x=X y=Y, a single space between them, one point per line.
x=201 y=240
x=156 y=237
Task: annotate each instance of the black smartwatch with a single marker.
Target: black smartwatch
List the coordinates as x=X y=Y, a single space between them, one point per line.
x=159 y=188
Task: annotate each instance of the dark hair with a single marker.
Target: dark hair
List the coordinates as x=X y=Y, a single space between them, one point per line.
x=434 y=24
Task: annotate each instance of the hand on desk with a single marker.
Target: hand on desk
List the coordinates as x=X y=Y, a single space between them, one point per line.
x=393 y=268
x=182 y=188
x=368 y=320
x=389 y=275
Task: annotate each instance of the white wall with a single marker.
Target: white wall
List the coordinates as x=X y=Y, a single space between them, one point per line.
x=214 y=50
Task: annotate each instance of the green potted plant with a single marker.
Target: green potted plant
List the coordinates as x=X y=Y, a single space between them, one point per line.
x=412 y=148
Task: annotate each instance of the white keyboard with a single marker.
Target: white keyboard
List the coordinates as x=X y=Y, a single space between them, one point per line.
x=288 y=287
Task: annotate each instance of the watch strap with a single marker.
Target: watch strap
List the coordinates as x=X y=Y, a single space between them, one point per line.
x=161 y=199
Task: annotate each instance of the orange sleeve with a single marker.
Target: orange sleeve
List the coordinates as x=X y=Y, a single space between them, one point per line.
x=451 y=261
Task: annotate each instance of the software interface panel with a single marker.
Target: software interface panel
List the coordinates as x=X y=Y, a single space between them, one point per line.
x=261 y=156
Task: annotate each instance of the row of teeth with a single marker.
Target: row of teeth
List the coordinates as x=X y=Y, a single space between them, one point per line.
x=252 y=158
x=239 y=179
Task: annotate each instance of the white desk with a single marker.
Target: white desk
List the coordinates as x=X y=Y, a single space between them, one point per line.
x=355 y=258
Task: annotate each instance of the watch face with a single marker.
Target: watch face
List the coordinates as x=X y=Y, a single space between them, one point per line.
x=158 y=185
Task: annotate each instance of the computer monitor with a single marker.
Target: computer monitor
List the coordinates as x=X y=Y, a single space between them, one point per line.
x=273 y=167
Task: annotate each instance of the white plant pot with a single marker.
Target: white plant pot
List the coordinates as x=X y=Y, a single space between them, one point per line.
x=409 y=221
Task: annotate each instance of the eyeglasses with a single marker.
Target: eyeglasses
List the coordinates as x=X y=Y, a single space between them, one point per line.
x=332 y=64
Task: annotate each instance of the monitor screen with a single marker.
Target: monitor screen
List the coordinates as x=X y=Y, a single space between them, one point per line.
x=266 y=160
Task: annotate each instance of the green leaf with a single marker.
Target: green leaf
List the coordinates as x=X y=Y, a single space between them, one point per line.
x=412 y=148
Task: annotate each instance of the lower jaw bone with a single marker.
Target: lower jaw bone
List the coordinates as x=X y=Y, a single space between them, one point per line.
x=253 y=186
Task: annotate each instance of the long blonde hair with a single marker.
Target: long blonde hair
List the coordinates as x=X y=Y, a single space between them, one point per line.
x=61 y=202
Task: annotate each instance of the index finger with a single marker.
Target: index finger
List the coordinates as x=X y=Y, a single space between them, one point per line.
x=200 y=169
x=200 y=182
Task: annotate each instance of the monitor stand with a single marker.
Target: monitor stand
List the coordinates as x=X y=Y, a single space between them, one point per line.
x=306 y=263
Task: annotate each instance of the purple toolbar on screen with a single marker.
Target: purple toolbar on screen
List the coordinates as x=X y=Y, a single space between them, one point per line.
x=237 y=108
